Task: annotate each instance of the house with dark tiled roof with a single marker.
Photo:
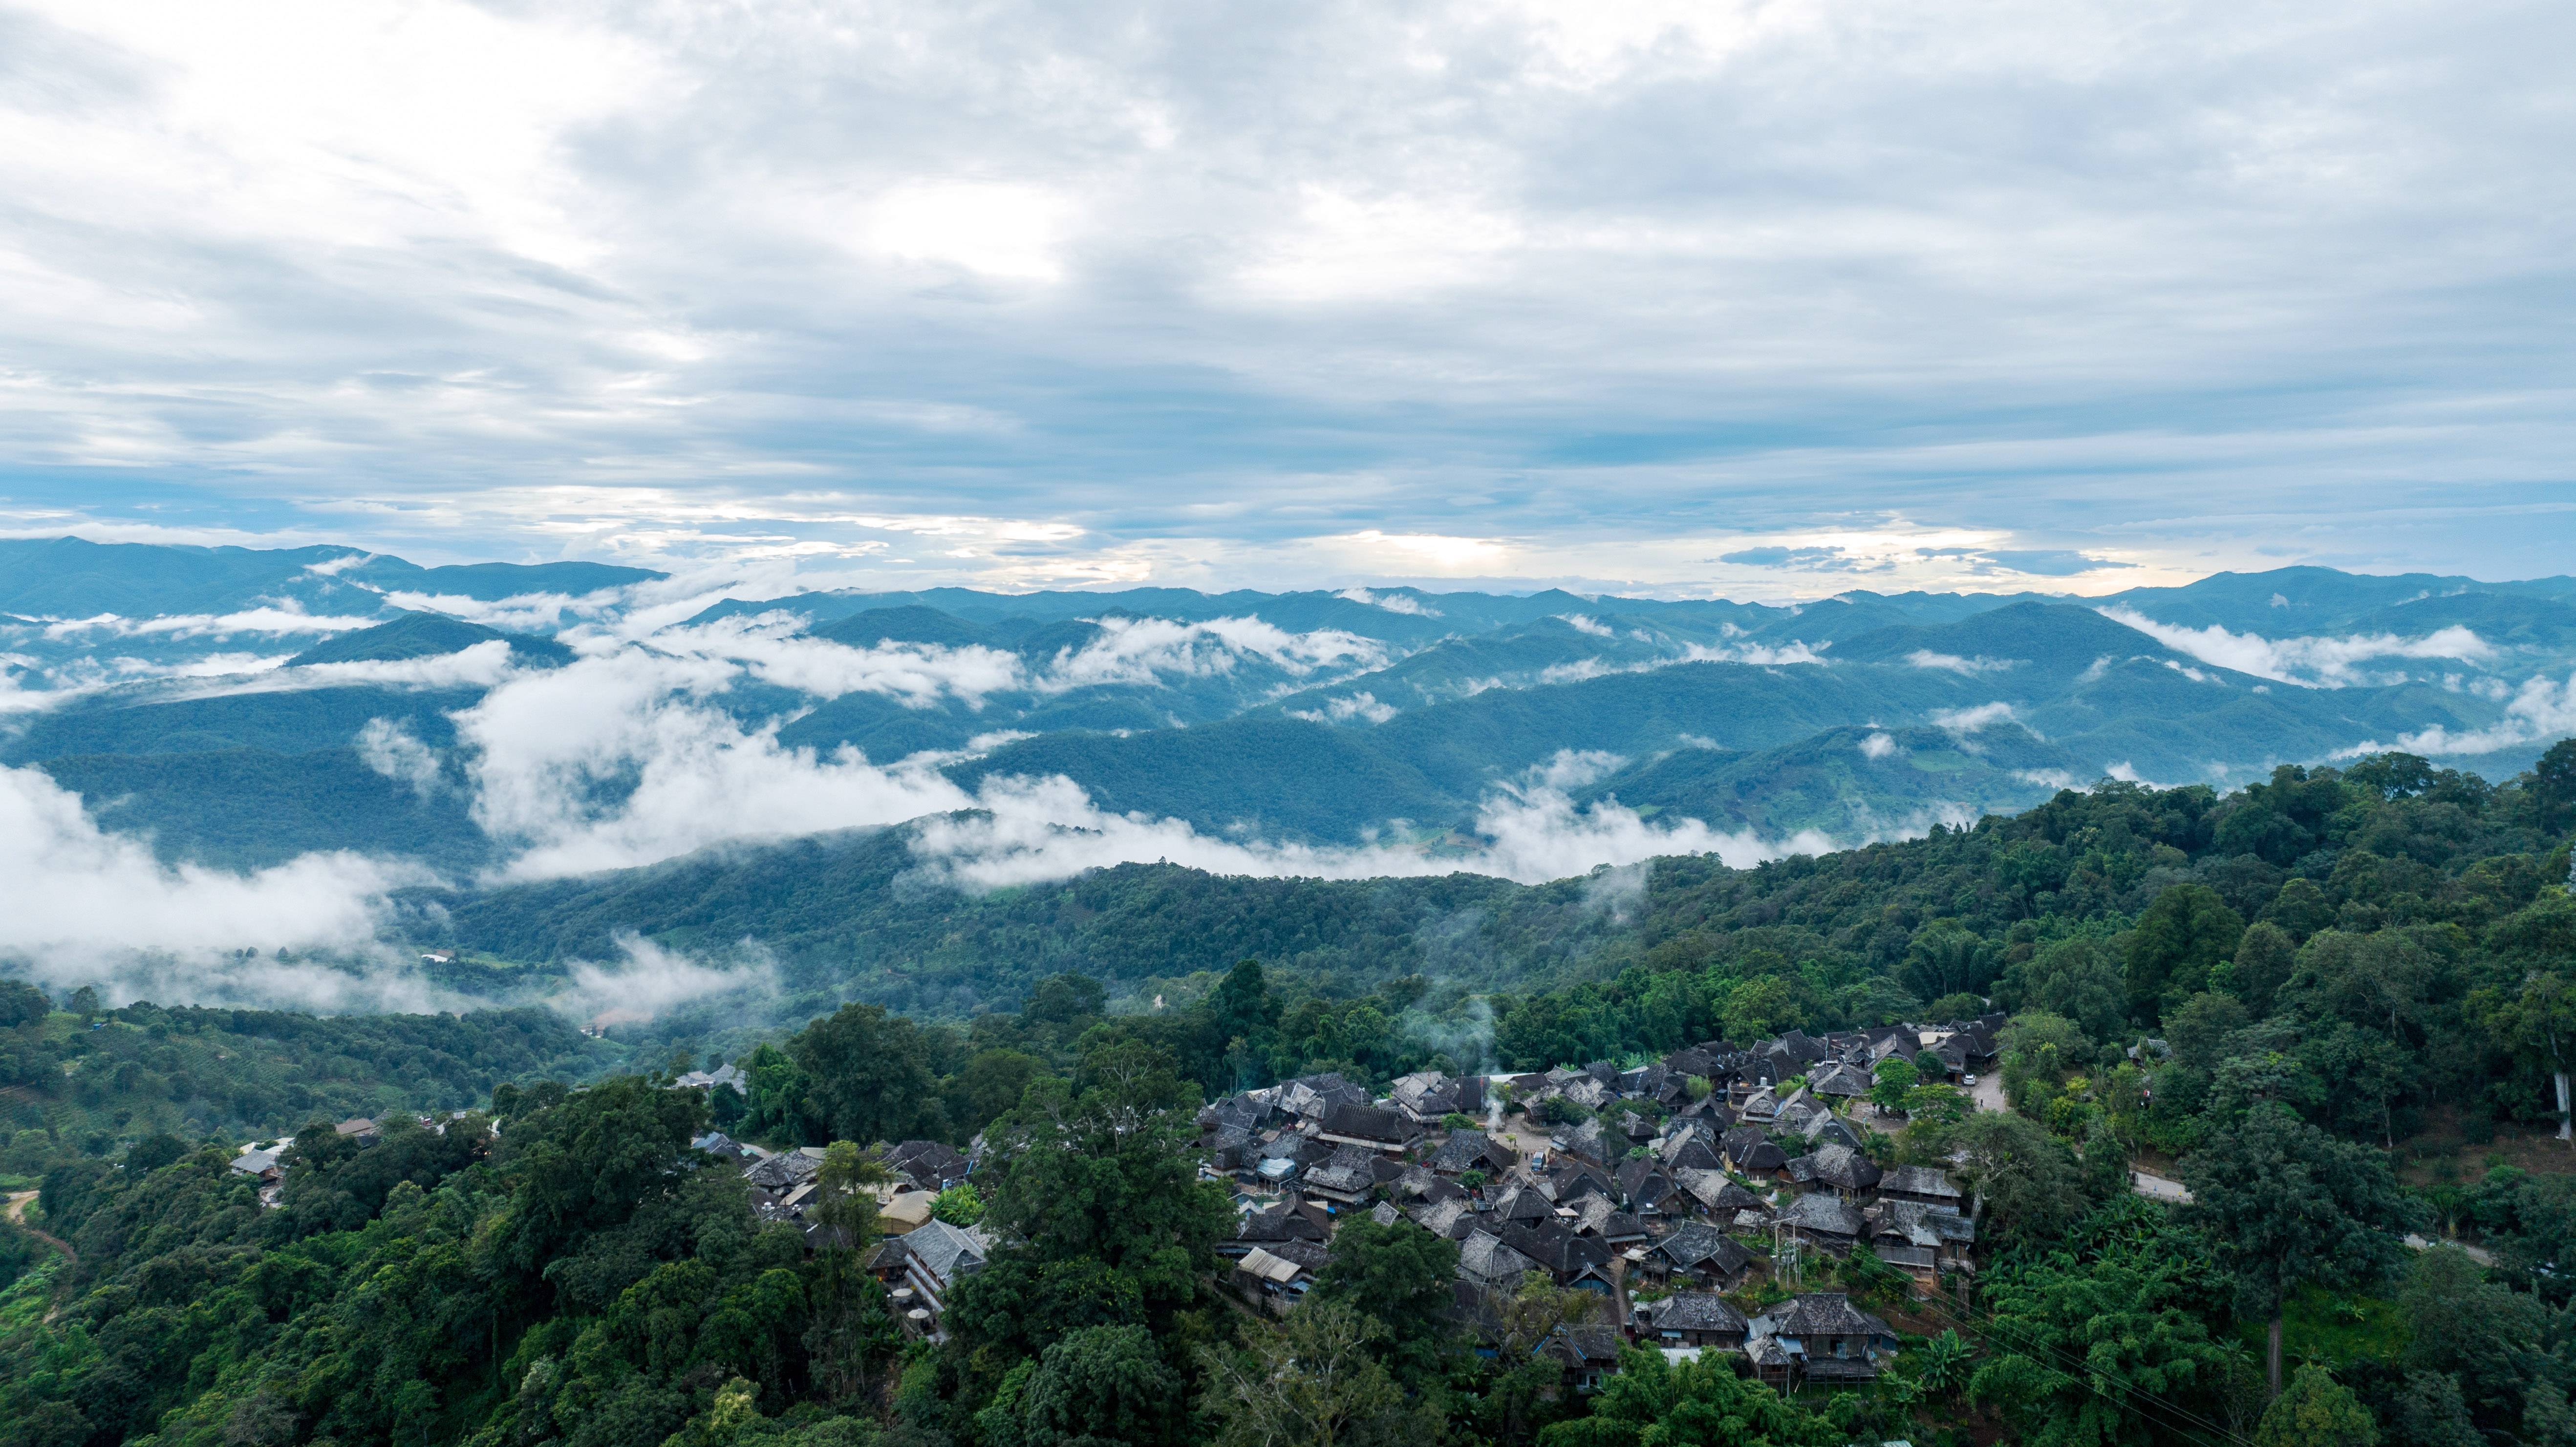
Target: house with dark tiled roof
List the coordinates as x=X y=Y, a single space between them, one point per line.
x=1759 y=1108
x=1924 y=1184
x=1570 y=1183
x=927 y=1164
x=1587 y=1140
x=1369 y=1127
x=1344 y=1177
x=1845 y=1172
x=1823 y=1219
x=1599 y=1218
x=1450 y=1220
x=1689 y=1319
x=1820 y=1337
x=1651 y=1192
x=1701 y=1254
x=937 y=1256
x=1487 y=1261
x=1521 y=1203
x=1574 y=1261
x=784 y=1171
x=1751 y=1152
x=1426 y=1096
x=1716 y=1196
x=1288 y=1221
x=1589 y=1353
x=1417 y=1183
x=1312 y=1097
x=1687 y=1150
x=1945 y=1236
x=1840 y=1082
x=1473 y=1150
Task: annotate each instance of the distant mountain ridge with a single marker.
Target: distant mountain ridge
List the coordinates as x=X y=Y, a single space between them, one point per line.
x=182 y=691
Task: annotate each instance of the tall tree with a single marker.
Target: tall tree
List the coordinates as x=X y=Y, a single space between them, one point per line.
x=1311 y=1382
x=867 y=1075
x=1654 y=1402
x=1103 y=1386
x=2026 y=1180
x=1099 y=1211
x=1402 y=1275
x=2085 y=1353
x=2180 y=938
x=2291 y=1204
x=2538 y=1024
x=2316 y=1411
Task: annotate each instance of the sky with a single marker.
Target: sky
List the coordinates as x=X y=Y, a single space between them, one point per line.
x=1762 y=299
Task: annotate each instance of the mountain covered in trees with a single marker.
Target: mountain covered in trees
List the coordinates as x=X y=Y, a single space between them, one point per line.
x=2332 y=1007
x=242 y=708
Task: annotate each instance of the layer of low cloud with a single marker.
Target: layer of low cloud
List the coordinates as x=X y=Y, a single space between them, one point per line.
x=647 y=980
x=80 y=906
x=1926 y=658
x=2538 y=711
x=2323 y=661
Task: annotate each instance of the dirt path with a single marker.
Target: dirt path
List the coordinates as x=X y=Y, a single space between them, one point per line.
x=18 y=1217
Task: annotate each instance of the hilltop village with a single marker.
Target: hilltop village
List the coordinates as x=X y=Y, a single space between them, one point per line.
x=1689 y=1195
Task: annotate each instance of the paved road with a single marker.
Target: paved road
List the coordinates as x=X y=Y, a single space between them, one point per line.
x=2478 y=1254
x=2157 y=1188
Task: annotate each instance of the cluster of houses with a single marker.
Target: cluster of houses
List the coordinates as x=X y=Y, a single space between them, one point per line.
x=918 y=1257
x=1664 y=1188
x=265 y=1161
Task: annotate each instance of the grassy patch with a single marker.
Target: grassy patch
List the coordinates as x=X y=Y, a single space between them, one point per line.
x=2336 y=1328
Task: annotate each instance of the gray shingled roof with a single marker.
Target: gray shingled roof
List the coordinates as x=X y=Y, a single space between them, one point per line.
x=1483 y=1257
x=1692 y=1311
x=1821 y=1212
x=946 y=1250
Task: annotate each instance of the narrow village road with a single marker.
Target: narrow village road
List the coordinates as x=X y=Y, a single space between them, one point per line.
x=18 y=1218
x=2157 y=1188
x=2478 y=1254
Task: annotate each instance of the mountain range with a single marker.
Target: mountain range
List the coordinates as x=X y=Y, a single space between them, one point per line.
x=488 y=730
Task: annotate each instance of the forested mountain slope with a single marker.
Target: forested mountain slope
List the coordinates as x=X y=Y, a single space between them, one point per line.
x=2301 y=998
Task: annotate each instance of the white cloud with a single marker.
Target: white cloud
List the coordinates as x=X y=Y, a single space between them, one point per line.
x=1404 y=603
x=387 y=747
x=1965 y=721
x=2318 y=661
x=1766 y=655
x=1145 y=650
x=1346 y=708
x=918 y=675
x=623 y=759
x=1583 y=623
x=2046 y=778
x=649 y=980
x=524 y=613
x=89 y=907
x=1926 y=658
x=477 y=665
x=2539 y=710
x=272 y=621
x=1027 y=830
x=1877 y=746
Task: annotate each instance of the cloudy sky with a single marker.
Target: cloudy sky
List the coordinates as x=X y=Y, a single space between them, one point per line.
x=1760 y=298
